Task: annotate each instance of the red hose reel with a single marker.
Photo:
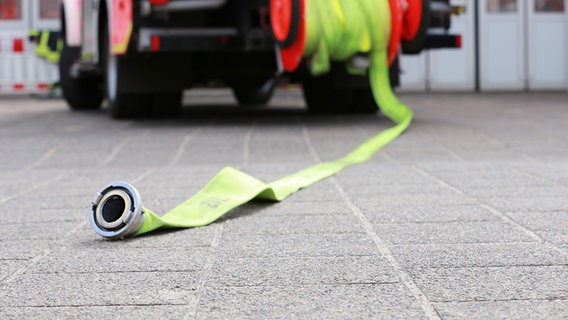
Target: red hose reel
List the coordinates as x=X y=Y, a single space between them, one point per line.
x=288 y=21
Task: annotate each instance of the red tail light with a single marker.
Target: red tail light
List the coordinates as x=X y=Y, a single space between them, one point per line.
x=18 y=45
x=155 y=43
x=154 y=2
x=458 y=41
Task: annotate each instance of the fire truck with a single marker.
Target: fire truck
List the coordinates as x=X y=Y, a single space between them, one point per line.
x=139 y=55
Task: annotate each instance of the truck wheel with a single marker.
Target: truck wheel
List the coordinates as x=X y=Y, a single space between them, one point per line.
x=256 y=96
x=166 y=104
x=322 y=96
x=364 y=100
x=121 y=105
x=80 y=94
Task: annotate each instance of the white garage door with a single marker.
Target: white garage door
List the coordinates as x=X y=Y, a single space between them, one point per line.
x=523 y=45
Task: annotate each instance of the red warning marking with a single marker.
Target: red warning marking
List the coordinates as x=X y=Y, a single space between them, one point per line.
x=18 y=45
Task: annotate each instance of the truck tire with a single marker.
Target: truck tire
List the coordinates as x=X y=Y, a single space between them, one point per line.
x=121 y=105
x=166 y=104
x=80 y=94
x=256 y=96
x=364 y=99
x=324 y=95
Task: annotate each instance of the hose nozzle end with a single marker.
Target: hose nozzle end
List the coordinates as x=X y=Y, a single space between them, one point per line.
x=117 y=211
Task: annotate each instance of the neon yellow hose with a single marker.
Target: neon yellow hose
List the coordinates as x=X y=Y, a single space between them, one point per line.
x=336 y=30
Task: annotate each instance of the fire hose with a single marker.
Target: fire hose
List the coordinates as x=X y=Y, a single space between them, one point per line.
x=318 y=31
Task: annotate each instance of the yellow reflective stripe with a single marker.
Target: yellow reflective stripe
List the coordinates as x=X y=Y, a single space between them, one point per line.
x=120 y=48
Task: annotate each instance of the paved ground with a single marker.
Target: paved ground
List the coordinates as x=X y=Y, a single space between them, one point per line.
x=465 y=216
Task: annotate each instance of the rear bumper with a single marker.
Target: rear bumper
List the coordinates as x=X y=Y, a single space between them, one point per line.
x=180 y=5
x=203 y=40
x=441 y=41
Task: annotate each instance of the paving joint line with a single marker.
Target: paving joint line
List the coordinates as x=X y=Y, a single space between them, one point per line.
x=55 y=244
x=246 y=143
x=405 y=278
x=42 y=255
x=491 y=209
x=194 y=303
x=186 y=140
x=32 y=188
x=535 y=175
x=114 y=152
x=46 y=155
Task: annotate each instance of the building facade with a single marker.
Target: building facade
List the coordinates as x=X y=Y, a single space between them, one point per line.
x=507 y=45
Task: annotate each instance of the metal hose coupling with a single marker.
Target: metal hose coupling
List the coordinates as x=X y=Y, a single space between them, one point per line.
x=117 y=211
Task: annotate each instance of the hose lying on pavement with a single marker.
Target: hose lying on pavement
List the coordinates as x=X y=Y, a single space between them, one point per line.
x=335 y=30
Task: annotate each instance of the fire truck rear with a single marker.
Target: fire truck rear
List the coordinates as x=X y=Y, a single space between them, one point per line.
x=139 y=55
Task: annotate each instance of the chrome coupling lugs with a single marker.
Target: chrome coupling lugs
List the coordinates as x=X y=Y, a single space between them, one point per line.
x=117 y=211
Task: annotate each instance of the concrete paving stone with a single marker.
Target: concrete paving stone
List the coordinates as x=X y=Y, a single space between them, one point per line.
x=309 y=253
x=90 y=179
x=492 y=283
x=294 y=224
x=397 y=188
x=23 y=249
x=559 y=238
x=73 y=153
x=545 y=220
x=89 y=312
x=525 y=192
x=294 y=245
x=86 y=239
x=36 y=231
x=434 y=154
x=429 y=214
x=99 y=289
x=221 y=159
x=549 y=153
x=489 y=169
x=120 y=260
x=490 y=154
x=322 y=191
x=8 y=267
x=17 y=181
x=262 y=157
x=472 y=179
x=383 y=175
x=553 y=171
x=413 y=200
x=513 y=309
x=183 y=182
x=44 y=211
x=21 y=155
x=296 y=271
x=532 y=204
x=477 y=255
x=290 y=207
x=470 y=183
x=450 y=233
x=353 y=301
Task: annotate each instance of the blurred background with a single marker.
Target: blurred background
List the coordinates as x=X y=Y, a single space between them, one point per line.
x=508 y=45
